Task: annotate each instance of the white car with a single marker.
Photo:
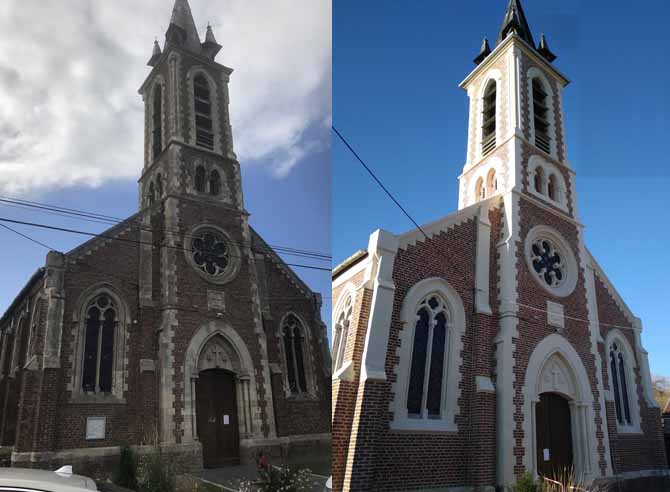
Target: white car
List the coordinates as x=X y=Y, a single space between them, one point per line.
x=28 y=480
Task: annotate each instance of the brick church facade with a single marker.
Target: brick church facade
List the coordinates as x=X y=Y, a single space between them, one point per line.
x=490 y=342
x=179 y=326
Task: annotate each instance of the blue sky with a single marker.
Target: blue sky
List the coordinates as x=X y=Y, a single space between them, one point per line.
x=71 y=120
x=396 y=70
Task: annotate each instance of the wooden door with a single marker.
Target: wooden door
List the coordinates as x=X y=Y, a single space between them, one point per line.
x=216 y=416
x=554 y=435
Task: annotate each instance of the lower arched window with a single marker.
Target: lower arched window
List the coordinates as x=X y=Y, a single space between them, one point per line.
x=214 y=183
x=618 y=371
x=424 y=394
x=341 y=332
x=293 y=338
x=480 y=190
x=101 y=319
x=539 y=180
x=200 y=179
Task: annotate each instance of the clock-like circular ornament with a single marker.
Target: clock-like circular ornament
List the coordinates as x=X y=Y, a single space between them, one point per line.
x=212 y=253
x=551 y=261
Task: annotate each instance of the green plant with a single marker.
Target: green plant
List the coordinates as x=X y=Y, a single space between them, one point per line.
x=275 y=479
x=156 y=472
x=524 y=484
x=125 y=474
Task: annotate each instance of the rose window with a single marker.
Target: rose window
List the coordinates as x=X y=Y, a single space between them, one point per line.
x=210 y=252
x=547 y=262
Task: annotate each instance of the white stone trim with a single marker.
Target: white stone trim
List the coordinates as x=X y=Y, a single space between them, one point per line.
x=615 y=335
x=438 y=226
x=78 y=339
x=548 y=169
x=481 y=172
x=571 y=272
x=532 y=73
x=508 y=332
x=482 y=261
x=645 y=373
x=452 y=376
x=352 y=271
x=556 y=349
x=383 y=247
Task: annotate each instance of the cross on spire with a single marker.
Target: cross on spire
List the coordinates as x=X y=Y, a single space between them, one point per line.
x=515 y=20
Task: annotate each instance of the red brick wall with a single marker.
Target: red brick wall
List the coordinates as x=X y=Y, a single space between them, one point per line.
x=533 y=325
x=630 y=452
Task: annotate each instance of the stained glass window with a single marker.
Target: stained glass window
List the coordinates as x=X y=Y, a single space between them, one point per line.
x=294 y=345
x=210 y=253
x=547 y=262
x=425 y=387
x=619 y=385
x=99 y=346
x=342 y=332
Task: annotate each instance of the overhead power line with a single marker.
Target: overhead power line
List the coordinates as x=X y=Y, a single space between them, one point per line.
x=115 y=238
x=110 y=220
x=26 y=237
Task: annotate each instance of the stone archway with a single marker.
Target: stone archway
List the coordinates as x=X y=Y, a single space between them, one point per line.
x=556 y=368
x=217 y=347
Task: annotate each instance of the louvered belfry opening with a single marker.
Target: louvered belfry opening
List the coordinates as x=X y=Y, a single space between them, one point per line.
x=540 y=111
x=204 y=130
x=157 y=130
x=489 y=119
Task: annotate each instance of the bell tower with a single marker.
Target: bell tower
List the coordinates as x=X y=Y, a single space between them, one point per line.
x=516 y=139
x=188 y=138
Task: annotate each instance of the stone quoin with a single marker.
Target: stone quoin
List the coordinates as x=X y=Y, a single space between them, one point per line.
x=178 y=327
x=496 y=345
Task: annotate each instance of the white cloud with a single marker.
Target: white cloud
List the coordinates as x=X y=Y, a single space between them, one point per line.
x=69 y=73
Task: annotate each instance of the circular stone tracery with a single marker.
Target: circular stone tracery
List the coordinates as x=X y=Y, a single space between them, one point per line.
x=210 y=252
x=551 y=260
x=547 y=262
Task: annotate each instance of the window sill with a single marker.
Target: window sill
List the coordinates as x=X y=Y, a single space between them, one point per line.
x=84 y=399
x=422 y=425
x=628 y=429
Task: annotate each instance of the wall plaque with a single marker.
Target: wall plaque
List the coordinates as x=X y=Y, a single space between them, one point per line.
x=95 y=427
x=216 y=300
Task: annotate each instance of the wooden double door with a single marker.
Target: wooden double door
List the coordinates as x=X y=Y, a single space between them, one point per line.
x=554 y=435
x=216 y=417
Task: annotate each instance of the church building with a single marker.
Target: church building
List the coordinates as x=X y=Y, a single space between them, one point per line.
x=180 y=326
x=490 y=342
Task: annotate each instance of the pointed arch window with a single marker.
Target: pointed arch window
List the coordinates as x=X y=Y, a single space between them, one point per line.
x=541 y=116
x=618 y=371
x=157 y=121
x=159 y=186
x=294 y=344
x=151 y=197
x=101 y=320
x=489 y=118
x=200 y=179
x=342 y=332
x=480 y=189
x=552 y=188
x=214 y=183
x=202 y=102
x=427 y=368
x=491 y=183
x=539 y=179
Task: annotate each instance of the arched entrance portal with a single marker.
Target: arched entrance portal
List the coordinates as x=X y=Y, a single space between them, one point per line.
x=554 y=435
x=558 y=413
x=217 y=421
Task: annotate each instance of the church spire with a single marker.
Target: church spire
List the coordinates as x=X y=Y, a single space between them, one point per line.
x=210 y=47
x=515 y=20
x=182 y=30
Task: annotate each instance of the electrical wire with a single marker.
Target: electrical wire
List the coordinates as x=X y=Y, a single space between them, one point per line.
x=114 y=238
x=26 y=237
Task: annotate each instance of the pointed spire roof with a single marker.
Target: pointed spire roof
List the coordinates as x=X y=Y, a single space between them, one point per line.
x=182 y=30
x=210 y=47
x=484 y=51
x=515 y=20
x=155 y=55
x=544 y=50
